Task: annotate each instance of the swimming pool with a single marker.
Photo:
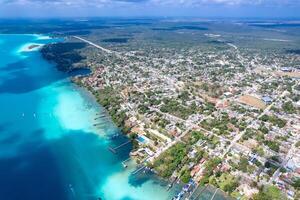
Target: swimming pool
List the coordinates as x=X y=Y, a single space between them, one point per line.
x=141 y=139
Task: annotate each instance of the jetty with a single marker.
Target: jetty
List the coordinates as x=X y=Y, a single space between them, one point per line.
x=101 y=116
x=214 y=194
x=138 y=170
x=172 y=183
x=202 y=190
x=114 y=149
x=97 y=124
x=125 y=161
x=114 y=136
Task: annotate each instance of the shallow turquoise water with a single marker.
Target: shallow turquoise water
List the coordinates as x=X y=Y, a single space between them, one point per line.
x=49 y=148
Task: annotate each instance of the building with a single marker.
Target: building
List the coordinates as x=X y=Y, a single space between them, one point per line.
x=267 y=99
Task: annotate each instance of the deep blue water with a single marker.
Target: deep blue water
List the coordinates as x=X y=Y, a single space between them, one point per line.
x=49 y=148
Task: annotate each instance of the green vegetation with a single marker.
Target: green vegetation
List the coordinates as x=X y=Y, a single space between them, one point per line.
x=224 y=181
x=209 y=167
x=249 y=133
x=175 y=108
x=269 y=193
x=274 y=120
x=217 y=123
x=65 y=55
x=184 y=96
x=171 y=160
x=296 y=184
x=213 y=90
x=227 y=182
x=272 y=145
x=259 y=150
x=108 y=98
x=288 y=107
x=243 y=164
x=196 y=136
x=263 y=129
x=185 y=176
x=143 y=108
x=132 y=137
x=161 y=122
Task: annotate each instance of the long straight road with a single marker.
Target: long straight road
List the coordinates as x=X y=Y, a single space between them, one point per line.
x=95 y=45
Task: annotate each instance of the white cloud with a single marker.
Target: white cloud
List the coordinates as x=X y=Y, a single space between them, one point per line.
x=226 y=2
x=155 y=2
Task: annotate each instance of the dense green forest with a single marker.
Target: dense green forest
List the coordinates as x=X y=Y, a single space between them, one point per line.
x=65 y=55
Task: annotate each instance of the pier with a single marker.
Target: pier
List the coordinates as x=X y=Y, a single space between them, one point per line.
x=172 y=183
x=198 y=195
x=97 y=124
x=214 y=194
x=114 y=149
x=138 y=170
x=125 y=161
x=101 y=116
x=114 y=136
x=101 y=122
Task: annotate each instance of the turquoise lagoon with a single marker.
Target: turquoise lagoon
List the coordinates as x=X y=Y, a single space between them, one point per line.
x=49 y=146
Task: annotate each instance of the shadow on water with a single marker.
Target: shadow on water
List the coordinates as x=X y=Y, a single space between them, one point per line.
x=13 y=67
x=9 y=138
x=137 y=180
x=3 y=126
x=32 y=173
x=21 y=81
x=128 y=198
x=80 y=72
x=72 y=166
x=143 y=177
x=46 y=169
x=293 y=51
x=87 y=162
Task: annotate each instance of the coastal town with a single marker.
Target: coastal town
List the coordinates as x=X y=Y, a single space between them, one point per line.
x=150 y=99
x=217 y=115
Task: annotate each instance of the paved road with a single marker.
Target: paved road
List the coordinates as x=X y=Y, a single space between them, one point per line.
x=239 y=136
x=93 y=44
x=170 y=144
x=288 y=156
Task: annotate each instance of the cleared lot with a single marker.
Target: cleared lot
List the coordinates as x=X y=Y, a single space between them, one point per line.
x=252 y=101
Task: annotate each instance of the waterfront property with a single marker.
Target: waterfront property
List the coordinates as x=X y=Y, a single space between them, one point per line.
x=48 y=138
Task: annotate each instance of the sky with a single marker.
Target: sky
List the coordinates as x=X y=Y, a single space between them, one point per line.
x=144 y=8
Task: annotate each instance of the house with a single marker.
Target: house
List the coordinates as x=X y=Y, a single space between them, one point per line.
x=267 y=99
x=286 y=69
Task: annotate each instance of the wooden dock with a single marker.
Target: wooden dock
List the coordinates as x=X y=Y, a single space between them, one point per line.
x=114 y=149
x=125 y=161
x=202 y=190
x=138 y=170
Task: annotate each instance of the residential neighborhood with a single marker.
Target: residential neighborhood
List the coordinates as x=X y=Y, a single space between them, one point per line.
x=226 y=116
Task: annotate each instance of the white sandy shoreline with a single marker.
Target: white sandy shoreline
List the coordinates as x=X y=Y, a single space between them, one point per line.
x=29 y=47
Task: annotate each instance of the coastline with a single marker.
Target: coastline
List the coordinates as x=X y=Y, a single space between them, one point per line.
x=120 y=124
x=119 y=120
x=104 y=132
x=31 y=47
x=102 y=97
